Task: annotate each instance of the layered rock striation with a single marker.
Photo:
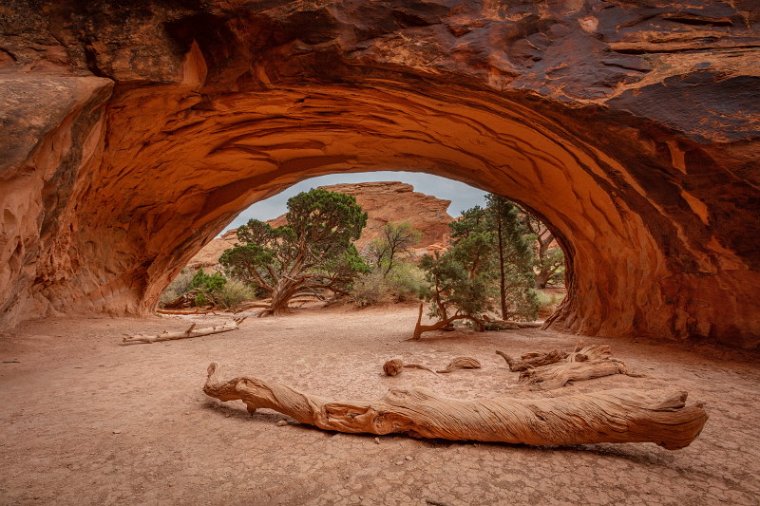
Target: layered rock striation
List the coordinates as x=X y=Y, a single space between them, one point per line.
x=132 y=133
x=383 y=201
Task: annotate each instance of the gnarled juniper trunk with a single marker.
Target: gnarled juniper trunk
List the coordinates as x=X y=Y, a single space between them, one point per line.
x=612 y=416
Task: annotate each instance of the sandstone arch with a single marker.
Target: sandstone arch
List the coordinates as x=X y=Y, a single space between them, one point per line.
x=133 y=134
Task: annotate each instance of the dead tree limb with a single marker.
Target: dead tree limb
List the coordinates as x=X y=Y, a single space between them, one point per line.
x=443 y=324
x=461 y=363
x=186 y=334
x=556 y=369
x=395 y=366
x=560 y=374
x=531 y=360
x=612 y=416
x=185 y=312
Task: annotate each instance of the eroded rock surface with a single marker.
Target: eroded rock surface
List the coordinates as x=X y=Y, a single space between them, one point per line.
x=383 y=201
x=132 y=133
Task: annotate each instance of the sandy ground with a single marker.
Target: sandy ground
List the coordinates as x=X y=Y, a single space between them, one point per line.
x=86 y=421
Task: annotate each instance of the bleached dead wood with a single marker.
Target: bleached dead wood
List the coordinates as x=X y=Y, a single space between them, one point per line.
x=187 y=334
x=560 y=374
x=534 y=359
x=185 y=312
x=612 y=416
x=556 y=369
x=395 y=366
x=461 y=363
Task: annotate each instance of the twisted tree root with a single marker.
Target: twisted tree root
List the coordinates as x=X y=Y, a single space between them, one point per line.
x=612 y=416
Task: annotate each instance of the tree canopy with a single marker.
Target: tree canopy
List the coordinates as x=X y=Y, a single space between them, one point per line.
x=490 y=258
x=312 y=252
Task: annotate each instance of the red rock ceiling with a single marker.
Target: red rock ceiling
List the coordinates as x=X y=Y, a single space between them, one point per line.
x=134 y=133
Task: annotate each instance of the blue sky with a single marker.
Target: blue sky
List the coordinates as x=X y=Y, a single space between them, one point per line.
x=462 y=196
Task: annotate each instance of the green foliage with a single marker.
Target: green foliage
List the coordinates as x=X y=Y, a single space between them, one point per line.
x=406 y=282
x=548 y=300
x=201 y=289
x=457 y=284
x=490 y=259
x=313 y=251
x=200 y=299
x=178 y=286
x=514 y=246
x=390 y=278
x=549 y=260
x=233 y=293
x=550 y=268
x=207 y=283
x=207 y=287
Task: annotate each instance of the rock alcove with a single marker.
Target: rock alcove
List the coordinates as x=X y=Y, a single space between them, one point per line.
x=132 y=134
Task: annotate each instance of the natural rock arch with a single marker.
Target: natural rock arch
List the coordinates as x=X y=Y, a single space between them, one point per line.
x=134 y=134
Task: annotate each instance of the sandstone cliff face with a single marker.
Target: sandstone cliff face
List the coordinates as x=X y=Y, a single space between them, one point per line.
x=383 y=201
x=133 y=132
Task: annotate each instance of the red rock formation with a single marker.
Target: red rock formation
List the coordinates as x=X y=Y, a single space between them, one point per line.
x=383 y=201
x=133 y=132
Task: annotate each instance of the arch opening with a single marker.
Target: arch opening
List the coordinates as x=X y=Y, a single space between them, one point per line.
x=149 y=146
x=222 y=154
x=416 y=213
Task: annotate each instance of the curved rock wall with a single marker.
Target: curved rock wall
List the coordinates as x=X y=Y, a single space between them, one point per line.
x=631 y=127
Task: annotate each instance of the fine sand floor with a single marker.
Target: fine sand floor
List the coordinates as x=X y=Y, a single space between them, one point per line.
x=86 y=421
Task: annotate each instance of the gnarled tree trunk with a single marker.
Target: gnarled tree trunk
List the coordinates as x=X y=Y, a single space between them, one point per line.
x=419 y=328
x=612 y=416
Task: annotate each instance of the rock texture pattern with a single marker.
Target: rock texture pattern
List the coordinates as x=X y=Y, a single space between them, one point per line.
x=383 y=201
x=133 y=132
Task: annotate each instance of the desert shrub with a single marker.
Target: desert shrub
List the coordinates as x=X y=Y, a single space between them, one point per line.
x=179 y=286
x=233 y=293
x=207 y=283
x=201 y=289
x=405 y=282
x=369 y=289
x=548 y=301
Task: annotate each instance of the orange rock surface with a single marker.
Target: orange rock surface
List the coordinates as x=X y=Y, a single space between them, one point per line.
x=383 y=201
x=134 y=132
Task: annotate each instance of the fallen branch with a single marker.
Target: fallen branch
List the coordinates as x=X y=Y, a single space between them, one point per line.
x=461 y=363
x=562 y=373
x=187 y=334
x=185 y=311
x=531 y=360
x=556 y=369
x=613 y=416
x=395 y=366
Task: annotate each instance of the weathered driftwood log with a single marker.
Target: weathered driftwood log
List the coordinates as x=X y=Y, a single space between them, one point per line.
x=534 y=359
x=537 y=359
x=185 y=312
x=556 y=369
x=461 y=363
x=560 y=374
x=612 y=416
x=395 y=366
x=186 y=334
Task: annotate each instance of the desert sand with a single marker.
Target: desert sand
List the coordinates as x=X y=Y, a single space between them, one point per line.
x=88 y=421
